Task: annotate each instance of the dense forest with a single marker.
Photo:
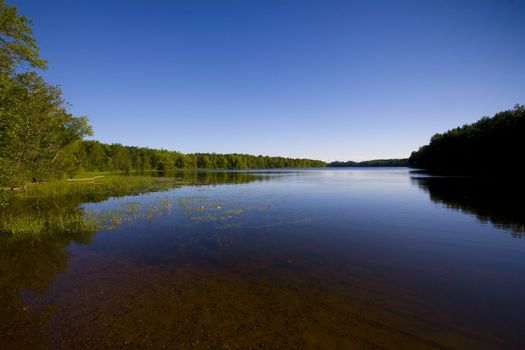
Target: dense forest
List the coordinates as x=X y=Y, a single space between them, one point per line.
x=370 y=163
x=97 y=156
x=41 y=140
x=489 y=145
x=36 y=130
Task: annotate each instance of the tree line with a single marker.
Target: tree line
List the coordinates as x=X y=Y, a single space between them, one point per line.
x=490 y=145
x=36 y=129
x=401 y=162
x=97 y=156
x=40 y=139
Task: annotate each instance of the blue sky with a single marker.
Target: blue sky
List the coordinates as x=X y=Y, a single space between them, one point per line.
x=331 y=80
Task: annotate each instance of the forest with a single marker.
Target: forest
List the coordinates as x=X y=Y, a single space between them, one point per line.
x=97 y=156
x=488 y=146
x=40 y=140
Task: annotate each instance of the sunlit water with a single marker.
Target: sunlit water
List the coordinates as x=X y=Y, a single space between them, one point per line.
x=316 y=259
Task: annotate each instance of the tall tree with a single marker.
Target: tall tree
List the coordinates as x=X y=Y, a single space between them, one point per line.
x=490 y=145
x=17 y=45
x=36 y=130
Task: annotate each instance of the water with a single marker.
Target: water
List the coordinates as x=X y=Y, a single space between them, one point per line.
x=298 y=259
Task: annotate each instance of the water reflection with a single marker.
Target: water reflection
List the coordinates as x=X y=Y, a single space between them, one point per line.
x=498 y=201
x=29 y=265
x=29 y=262
x=207 y=177
x=311 y=260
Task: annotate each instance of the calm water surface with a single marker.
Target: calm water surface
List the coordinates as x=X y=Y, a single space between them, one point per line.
x=299 y=259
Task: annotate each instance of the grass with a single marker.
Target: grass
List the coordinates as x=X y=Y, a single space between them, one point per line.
x=53 y=208
x=109 y=185
x=33 y=226
x=39 y=225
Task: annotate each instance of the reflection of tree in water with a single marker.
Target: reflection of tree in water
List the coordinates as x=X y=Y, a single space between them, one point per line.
x=204 y=177
x=32 y=265
x=31 y=262
x=497 y=201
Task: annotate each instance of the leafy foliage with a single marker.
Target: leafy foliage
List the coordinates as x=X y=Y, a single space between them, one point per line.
x=489 y=145
x=16 y=43
x=35 y=127
x=36 y=131
x=97 y=156
x=41 y=141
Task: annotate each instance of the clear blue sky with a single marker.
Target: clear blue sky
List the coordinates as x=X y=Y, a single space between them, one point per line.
x=331 y=80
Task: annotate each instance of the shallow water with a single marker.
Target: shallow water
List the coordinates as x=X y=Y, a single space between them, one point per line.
x=295 y=259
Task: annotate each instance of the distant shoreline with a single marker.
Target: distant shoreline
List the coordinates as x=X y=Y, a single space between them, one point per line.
x=395 y=162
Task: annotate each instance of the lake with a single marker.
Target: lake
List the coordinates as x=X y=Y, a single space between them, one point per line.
x=361 y=258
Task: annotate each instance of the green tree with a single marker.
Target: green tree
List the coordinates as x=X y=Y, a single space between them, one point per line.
x=490 y=145
x=17 y=46
x=35 y=126
x=36 y=131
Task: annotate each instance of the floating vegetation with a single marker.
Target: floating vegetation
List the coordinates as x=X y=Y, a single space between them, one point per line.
x=234 y=211
x=40 y=224
x=200 y=209
x=161 y=208
x=211 y=217
x=55 y=207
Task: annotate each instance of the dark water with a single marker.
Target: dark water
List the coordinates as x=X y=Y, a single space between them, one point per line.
x=320 y=259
